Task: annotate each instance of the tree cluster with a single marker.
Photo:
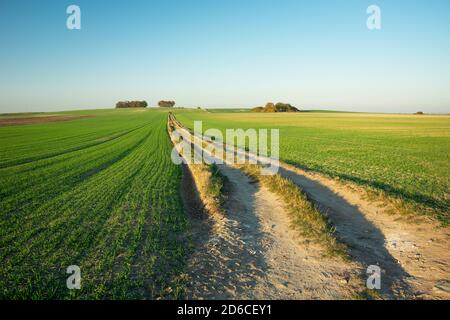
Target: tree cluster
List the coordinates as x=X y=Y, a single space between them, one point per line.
x=279 y=107
x=131 y=104
x=166 y=104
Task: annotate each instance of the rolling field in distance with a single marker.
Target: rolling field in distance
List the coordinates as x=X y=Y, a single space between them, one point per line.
x=100 y=192
x=404 y=156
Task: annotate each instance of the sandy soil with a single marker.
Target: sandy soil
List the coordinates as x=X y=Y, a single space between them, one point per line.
x=414 y=255
x=252 y=253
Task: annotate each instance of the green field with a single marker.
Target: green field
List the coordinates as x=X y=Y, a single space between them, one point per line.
x=405 y=156
x=102 y=193
x=98 y=192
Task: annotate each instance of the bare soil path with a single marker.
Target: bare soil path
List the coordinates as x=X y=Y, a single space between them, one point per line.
x=252 y=253
x=414 y=255
x=256 y=255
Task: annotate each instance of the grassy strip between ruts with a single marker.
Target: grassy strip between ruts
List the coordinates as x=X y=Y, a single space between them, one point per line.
x=210 y=183
x=306 y=219
x=208 y=180
x=403 y=158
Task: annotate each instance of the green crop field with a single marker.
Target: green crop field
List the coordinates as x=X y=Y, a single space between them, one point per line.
x=405 y=156
x=100 y=192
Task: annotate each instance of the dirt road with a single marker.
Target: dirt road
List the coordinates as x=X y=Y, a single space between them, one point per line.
x=252 y=253
x=414 y=254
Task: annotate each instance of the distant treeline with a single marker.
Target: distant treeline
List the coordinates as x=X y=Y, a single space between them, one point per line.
x=131 y=104
x=166 y=104
x=279 y=107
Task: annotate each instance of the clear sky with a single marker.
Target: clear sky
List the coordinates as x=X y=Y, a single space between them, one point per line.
x=226 y=53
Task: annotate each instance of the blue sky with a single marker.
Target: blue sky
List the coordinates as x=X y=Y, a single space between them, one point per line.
x=226 y=53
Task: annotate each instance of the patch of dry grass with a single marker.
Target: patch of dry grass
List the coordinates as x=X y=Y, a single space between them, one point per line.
x=306 y=219
x=414 y=213
x=209 y=182
x=207 y=178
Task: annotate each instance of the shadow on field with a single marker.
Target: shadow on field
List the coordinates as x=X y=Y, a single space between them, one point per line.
x=441 y=206
x=227 y=256
x=365 y=241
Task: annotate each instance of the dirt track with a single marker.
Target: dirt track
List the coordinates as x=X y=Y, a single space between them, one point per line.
x=413 y=255
x=253 y=252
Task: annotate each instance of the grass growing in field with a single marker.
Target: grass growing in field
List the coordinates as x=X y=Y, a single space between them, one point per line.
x=305 y=217
x=402 y=156
x=101 y=193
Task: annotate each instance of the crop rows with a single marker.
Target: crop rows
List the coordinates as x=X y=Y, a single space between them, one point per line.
x=100 y=193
